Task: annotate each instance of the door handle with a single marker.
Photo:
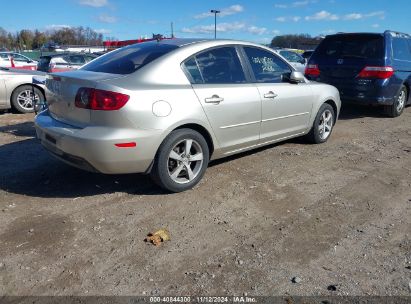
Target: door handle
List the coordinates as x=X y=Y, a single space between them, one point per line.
x=270 y=95
x=214 y=99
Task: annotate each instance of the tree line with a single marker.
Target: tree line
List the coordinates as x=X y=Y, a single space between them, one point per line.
x=29 y=39
x=300 y=41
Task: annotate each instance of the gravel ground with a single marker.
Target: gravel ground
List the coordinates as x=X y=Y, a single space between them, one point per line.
x=289 y=219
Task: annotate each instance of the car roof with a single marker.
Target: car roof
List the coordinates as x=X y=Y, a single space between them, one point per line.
x=181 y=42
x=356 y=34
x=12 y=53
x=66 y=54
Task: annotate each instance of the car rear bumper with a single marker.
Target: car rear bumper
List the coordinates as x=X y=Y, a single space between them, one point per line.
x=365 y=91
x=367 y=100
x=93 y=148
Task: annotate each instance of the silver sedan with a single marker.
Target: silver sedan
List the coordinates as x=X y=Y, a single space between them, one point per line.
x=17 y=90
x=167 y=108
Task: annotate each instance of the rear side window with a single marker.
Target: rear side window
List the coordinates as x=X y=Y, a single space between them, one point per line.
x=216 y=66
x=401 y=49
x=77 y=59
x=267 y=67
x=352 y=46
x=129 y=59
x=89 y=58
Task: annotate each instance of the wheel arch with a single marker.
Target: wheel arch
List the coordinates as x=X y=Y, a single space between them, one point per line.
x=203 y=131
x=333 y=104
x=407 y=87
x=25 y=84
x=188 y=125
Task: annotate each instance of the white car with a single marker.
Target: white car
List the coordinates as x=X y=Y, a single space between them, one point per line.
x=17 y=88
x=295 y=59
x=17 y=61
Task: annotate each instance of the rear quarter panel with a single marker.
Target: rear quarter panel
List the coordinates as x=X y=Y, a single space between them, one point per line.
x=3 y=101
x=402 y=68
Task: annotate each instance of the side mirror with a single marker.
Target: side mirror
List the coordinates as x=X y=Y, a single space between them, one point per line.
x=297 y=77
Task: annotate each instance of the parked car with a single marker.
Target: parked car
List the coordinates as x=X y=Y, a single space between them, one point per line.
x=16 y=90
x=296 y=60
x=367 y=68
x=167 y=108
x=17 y=61
x=63 y=62
x=307 y=54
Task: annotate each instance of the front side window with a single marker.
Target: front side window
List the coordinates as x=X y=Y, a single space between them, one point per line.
x=20 y=58
x=267 y=67
x=216 y=66
x=292 y=57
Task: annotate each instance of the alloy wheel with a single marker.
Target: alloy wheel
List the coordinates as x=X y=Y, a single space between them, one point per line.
x=26 y=100
x=401 y=101
x=325 y=124
x=185 y=161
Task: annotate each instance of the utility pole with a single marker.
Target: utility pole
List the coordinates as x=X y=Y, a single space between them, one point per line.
x=215 y=12
x=172 y=30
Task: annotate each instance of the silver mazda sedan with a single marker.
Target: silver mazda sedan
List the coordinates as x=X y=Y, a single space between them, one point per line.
x=169 y=107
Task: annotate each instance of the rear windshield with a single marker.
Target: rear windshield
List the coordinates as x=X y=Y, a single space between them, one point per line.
x=353 y=46
x=129 y=59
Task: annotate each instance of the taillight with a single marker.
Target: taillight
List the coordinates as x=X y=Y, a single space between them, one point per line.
x=384 y=72
x=93 y=99
x=312 y=70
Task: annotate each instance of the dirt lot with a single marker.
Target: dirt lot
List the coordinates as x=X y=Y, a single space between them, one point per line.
x=334 y=214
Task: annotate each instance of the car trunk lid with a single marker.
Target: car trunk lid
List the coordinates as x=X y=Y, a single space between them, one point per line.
x=61 y=92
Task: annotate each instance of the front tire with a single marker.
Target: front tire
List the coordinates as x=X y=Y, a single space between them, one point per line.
x=398 y=106
x=22 y=98
x=323 y=125
x=181 y=160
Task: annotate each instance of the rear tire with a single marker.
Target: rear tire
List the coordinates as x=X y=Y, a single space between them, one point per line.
x=181 y=160
x=22 y=98
x=398 y=106
x=323 y=125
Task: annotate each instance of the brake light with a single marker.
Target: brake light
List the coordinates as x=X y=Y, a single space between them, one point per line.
x=93 y=99
x=384 y=72
x=312 y=70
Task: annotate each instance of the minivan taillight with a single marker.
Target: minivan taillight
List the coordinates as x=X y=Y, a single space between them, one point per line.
x=384 y=72
x=94 y=99
x=312 y=70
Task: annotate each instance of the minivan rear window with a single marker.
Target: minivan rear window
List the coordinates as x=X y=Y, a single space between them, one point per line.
x=129 y=59
x=352 y=46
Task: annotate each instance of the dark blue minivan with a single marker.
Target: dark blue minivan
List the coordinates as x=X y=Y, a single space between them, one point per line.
x=367 y=68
